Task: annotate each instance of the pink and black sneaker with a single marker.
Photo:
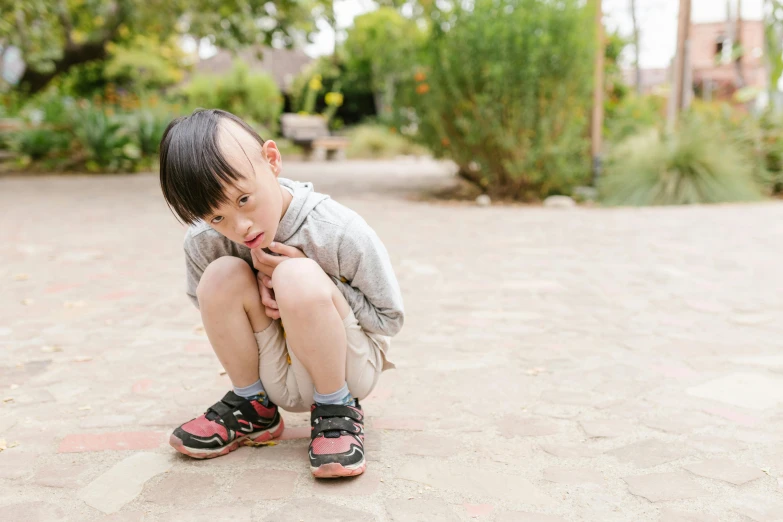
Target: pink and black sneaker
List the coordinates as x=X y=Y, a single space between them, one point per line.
x=225 y=426
x=337 y=441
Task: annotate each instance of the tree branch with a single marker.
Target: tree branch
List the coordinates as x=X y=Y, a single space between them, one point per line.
x=21 y=27
x=33 y=81
x=65 y=21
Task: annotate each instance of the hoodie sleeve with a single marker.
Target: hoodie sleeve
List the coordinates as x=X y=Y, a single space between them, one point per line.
x=368 y=281
x=202 y=246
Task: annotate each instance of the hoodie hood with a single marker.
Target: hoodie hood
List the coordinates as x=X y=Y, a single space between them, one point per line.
x=304 y=201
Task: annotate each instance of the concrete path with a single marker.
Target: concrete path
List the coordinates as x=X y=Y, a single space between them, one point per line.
x=586 y=364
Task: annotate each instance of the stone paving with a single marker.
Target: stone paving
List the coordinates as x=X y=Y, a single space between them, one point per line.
x=583 y=364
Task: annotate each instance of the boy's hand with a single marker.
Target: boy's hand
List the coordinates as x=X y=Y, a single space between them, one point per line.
x=268 y=296
x=266 y=264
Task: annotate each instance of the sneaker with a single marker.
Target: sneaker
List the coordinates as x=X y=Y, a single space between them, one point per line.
x=337 y=441
x=225 y=426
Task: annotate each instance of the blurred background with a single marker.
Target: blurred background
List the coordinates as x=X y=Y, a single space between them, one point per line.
x=655 y=102
x=581 y=362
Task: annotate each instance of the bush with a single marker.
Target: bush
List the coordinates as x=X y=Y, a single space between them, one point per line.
x=149 y=125
x=504 y=90
x=634 y=114
x=39 y=143
x=106 y=139
x=759 y=137
x=358 y=101
x=377 y=141
x=252 y=96
x=697 y=164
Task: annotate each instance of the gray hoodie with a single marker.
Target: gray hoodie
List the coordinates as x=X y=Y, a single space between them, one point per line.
x=336 y=238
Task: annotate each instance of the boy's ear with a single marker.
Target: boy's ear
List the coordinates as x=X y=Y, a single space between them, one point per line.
x=272 y=155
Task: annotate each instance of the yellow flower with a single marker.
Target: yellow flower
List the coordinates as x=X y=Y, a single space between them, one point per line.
x=334 y=99
x=315 y=83
x=78 y=36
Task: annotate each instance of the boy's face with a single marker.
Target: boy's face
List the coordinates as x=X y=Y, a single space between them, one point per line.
x=255 y=204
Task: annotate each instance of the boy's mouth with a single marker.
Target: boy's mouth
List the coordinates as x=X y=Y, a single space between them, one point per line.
x=256 y=241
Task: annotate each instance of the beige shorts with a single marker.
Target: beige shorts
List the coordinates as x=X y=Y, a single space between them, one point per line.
x=287 y=382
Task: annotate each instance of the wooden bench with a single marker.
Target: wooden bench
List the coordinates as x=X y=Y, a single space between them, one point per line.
x=312 y=134
x=331 y=148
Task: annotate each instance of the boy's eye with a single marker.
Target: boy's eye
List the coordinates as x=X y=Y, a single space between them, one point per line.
x=243 y=200
x=216 y=220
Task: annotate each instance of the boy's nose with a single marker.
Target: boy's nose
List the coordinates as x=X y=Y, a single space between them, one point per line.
x=244 y=227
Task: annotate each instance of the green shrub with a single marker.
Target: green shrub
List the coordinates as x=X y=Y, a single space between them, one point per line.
x=376 y=141
x=107 y=140
x=759 y=137
x=358 y=101
x=634 y=114
x=696 y=164
x=39 y=143
x=251 y=96
x=504 y=90
x=149 y=126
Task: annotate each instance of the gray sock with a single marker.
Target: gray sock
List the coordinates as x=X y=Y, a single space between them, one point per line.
x=253 y=392
x=341 y=397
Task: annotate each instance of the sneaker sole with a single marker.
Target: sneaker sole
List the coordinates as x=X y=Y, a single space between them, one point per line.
x=335 y=470
x=201 y=453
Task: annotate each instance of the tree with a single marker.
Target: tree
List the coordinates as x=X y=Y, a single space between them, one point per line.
x=773 y=38
x=636 y=49
x=379 y=47
x=57 y=35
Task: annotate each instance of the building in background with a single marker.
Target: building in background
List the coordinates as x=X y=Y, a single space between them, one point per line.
x=281 y=64
x=715 y=74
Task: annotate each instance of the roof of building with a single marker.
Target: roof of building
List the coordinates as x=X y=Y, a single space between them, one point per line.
x=282 y=64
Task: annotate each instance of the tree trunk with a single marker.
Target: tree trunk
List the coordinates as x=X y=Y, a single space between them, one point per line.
x=33 y=81
x=738 y=45
x=637 y=50
x=677 y=97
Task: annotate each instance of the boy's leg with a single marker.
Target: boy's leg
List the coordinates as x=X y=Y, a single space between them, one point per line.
x=231 y=311
x=314 y=312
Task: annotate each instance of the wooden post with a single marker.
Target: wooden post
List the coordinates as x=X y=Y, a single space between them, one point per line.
x=597 y=120
x=678 y=97
x=637 y=51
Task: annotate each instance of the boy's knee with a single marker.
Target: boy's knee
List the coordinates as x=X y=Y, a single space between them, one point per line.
x=299 y=282
x=225 y=277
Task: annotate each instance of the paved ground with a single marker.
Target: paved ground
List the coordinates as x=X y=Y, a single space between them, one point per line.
x=603 y=365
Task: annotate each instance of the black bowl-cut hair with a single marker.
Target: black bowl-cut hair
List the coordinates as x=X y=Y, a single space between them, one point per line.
x=193 y=172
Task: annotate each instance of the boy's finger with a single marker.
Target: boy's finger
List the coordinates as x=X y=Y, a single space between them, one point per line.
x=269 y=302
x=266 y=270
x=267 y=281
x=272 y=261
x=286 y=250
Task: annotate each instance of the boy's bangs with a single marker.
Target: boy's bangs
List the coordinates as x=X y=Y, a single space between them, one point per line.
x=194 y=172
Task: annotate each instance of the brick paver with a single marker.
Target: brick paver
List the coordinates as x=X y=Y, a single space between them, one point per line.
x=555 y=365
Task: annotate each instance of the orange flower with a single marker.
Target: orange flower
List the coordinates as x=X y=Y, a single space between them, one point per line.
x=445 y=142
x=423 y=88
x=419 y=76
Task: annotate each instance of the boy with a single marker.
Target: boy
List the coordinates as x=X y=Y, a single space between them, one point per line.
x=328 y=281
